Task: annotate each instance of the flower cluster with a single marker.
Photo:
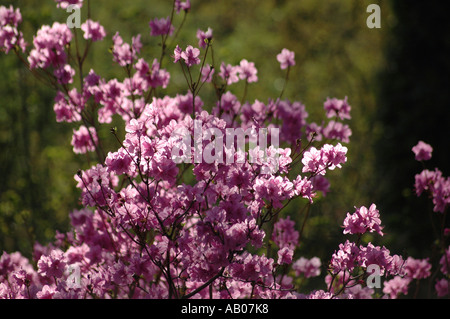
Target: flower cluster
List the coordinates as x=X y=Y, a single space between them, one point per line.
x=438 y=188
x=432 y=182
x=171 y=213
x=363 y=220
x=10 y=37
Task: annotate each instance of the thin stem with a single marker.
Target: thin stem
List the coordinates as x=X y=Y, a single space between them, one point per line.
x=285 y=81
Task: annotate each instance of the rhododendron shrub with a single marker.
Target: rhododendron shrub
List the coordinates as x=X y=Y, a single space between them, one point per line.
x=171 y=213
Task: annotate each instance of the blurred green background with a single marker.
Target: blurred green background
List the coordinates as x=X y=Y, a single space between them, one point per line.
x=396 y=79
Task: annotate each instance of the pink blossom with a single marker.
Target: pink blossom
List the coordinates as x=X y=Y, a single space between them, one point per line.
x=119 y=162
x=363 y=220
x=396 y=286
x=10 y=16
x=52 y=265
x=294 y=116
x=177 y=54
x=68 y=109
x=304 y=187
x=337 y=108
x=190 y=56
x=337 y=130
x=442 y=287
x=284 y=233
x=47 y=292
x=285 y=255
x=286 y=58
x=417 y=268
x=64 y=74
x=63 y=4
x=320 y=294
x=444 y=262
x=207 y=73
x=437 y=186
x=229 y=73
x=49 y=46
x=252 y=267
x=247 y=71
x=84 y=140
x=161 y=26
x=93 y=30
x=321 y=184
x=345 y=258
x=124 y=53
x=10 y=37
x=307 y=267
x=328 y=157
x=204 y=37
x=185 y=6
x=312 y=161
x=273 y=189
x=422 y=151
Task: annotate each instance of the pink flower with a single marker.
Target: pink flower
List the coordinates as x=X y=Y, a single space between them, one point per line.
x=49 y=46
x=10 y=16
x=307 y=267
x=190 y=55
x=328 y=157
x=186 y=5
x=417 y=268
x=445 y=262
x=285 y=255
x=118 y=162
x=247 y=71
x=284 y=233
x=47 y=292
x=337 y=130
x=442 y=287
x=363 y=220
x=345 y=258
x=63 y=4
x=274 y=189
x=124 y=53
x=252 y=267
x=396 y=286
x=52 y=265
x=161 y=26
x=10 y=37
x=177 y=54
x=207 y=73
x=82 y=141
x=68 y=109
x=321 y=184
x=64 y=74
x=338 y=108
x=320 y=294
x=93 y=30
x=304 y=187
x=422 y=151
x=312 y=161
x=204 y=37
x=286 y=58
x=294 y=117
x=229 y=73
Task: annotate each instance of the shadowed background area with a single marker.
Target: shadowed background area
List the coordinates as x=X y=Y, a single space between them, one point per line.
x=395 y=78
